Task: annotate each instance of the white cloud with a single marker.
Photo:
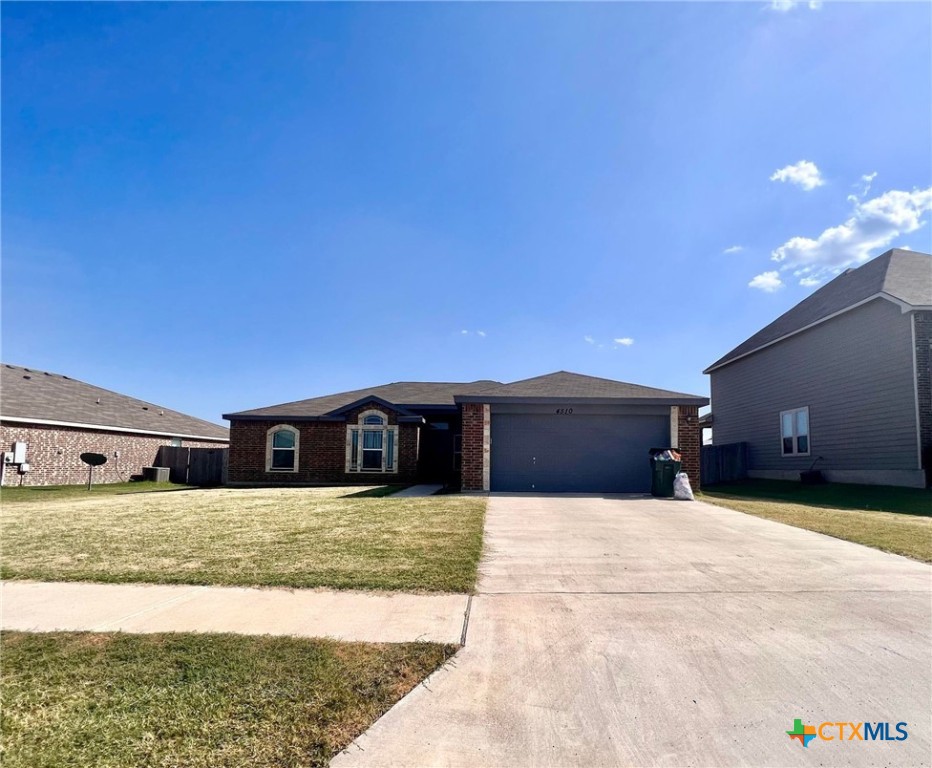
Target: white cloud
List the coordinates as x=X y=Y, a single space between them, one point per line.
x=627 y=341
x=803 y=174
x=588 y=340
x=481 y=333
x=865 y=186
x=734 y=249
x=873 y=226
x=465 y=333
x=782 y=6
x=767 y=282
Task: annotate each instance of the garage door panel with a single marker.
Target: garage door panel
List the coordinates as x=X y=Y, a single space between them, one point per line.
x=574 y=453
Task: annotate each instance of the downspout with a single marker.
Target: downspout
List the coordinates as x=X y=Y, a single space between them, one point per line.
x=916 y=392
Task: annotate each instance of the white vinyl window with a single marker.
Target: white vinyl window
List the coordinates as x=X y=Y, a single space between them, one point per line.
x=794 y=432
x=371 y=444
x=281 y=449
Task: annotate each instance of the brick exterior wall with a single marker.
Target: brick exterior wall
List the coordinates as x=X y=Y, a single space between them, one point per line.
x=923 y=322
x=54 y=453
x=689 y=437
x=321 y=453
x=473 y=449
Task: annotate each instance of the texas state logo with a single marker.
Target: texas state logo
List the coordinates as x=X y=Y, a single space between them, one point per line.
x=845 y=731
x=802 y=733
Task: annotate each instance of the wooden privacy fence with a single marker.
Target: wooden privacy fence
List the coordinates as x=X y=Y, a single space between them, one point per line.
x=194 y=466
x=724 y=463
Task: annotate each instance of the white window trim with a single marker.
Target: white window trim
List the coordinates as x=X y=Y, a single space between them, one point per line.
x=268 y=448
x=360 y=427
x=794 y=411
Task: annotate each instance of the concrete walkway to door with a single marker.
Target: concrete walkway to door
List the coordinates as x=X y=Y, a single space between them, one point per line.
x=643 y=632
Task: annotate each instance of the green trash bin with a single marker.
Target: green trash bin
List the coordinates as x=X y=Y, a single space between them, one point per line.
x=662 y=472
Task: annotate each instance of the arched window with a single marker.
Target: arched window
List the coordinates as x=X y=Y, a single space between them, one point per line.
x=371 y=444
x=281 y=449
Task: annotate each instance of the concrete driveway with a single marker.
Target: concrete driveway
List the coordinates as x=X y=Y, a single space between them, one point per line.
x=641 y=632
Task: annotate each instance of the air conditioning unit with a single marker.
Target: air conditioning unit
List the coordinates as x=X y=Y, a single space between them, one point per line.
x=156 y=474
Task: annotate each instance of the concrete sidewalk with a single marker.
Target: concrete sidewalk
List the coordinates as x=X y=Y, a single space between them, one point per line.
x=142 y=608
x=417 y=491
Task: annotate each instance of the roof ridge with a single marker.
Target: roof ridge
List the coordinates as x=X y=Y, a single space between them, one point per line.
x=847 y=290
x=586 y=376
x=56 y=397
x=103 y=389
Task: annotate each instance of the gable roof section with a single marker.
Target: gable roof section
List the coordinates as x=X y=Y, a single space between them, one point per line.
x=411 y=394
x=402 y=413
x=901 y=276
x=399 y=393
x=565 y=385
x=32 y=396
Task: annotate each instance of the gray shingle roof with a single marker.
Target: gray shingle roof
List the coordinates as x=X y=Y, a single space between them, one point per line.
x=902 y=275
x=412 y=393
x=403 y=393
x=30 y=394
x=568 y=385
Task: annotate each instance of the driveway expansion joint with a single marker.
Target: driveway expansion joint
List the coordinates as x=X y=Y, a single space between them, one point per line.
x=466 y=620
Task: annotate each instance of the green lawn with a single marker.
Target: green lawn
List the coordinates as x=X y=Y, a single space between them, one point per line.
x=297 y=537
x=897 y=520
x=17 y=494
x=115 y=700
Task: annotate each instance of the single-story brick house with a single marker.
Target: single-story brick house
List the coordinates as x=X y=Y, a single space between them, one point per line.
x=48 y=420
x=563 y=432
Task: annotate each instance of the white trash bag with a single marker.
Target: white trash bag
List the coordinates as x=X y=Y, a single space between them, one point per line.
x=681 y=487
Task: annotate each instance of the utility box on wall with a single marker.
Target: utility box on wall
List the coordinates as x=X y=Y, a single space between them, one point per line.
x=19 y=453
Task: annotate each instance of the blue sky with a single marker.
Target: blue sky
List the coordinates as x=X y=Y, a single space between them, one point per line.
x=224 y=206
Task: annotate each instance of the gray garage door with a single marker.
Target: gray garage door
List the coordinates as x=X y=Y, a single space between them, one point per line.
x=574 y=453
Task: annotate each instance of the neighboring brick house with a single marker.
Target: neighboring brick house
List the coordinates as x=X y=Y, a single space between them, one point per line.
x=559 y=432
x=842 y=381
x=48 y=420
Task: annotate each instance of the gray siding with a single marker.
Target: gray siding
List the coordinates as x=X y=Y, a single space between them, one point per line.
x=855 y=372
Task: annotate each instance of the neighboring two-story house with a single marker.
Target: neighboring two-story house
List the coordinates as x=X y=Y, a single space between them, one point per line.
x=842 y=381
